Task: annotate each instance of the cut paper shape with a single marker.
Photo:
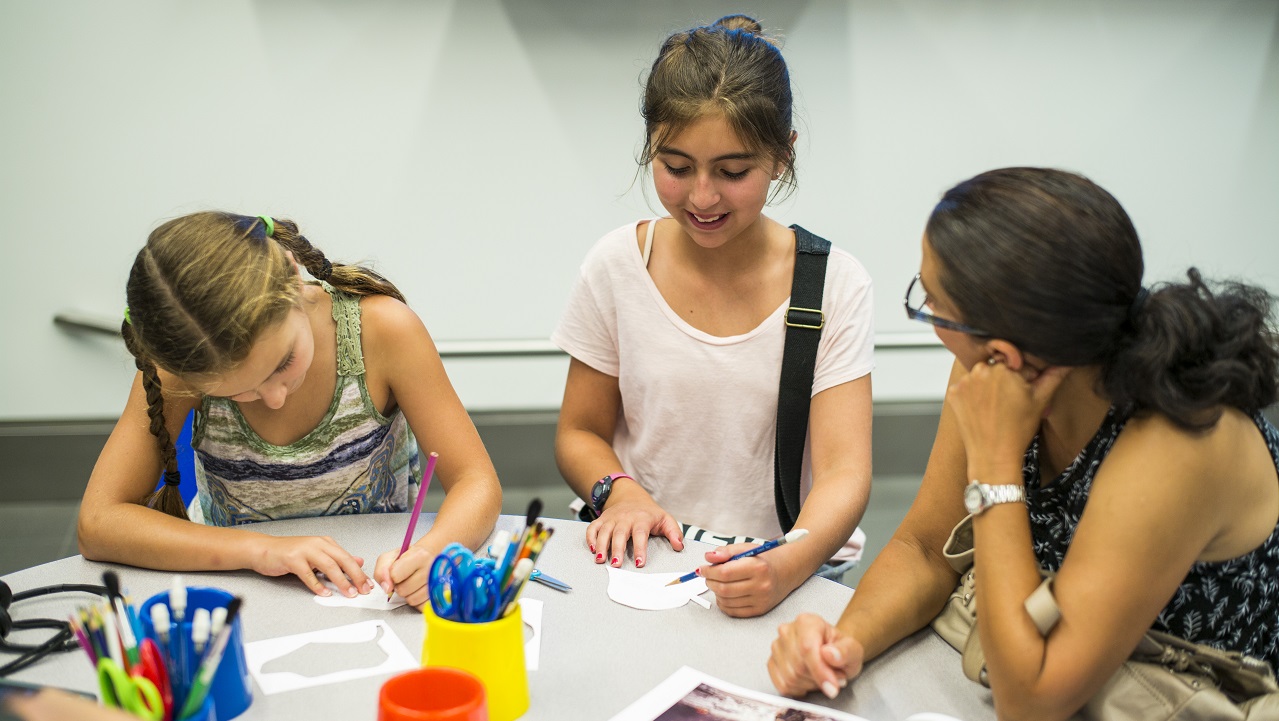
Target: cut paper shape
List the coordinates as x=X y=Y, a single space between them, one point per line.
x=649 y=592
x=531 y=613
x=322 y=658
x=374 y=600
x=336 y=652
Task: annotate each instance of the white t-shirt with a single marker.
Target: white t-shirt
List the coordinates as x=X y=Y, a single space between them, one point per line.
x=699 y=412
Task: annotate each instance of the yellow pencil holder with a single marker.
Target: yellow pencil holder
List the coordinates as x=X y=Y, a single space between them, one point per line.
x=493 y=651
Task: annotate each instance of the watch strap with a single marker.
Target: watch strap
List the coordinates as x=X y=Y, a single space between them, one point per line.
x=1008 y=493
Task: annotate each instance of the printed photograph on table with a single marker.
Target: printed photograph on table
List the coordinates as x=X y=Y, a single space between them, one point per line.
x=690 y=694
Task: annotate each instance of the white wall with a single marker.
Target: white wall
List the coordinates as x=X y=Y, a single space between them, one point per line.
x=474 y=149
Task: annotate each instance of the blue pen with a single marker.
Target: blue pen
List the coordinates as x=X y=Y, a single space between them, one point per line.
x=791 y=537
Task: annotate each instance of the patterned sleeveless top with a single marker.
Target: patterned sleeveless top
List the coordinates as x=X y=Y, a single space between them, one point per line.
x=355 y=461
x=1231 y=605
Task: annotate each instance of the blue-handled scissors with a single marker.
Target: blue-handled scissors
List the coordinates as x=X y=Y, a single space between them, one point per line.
x=464 y=588
x=136 y=694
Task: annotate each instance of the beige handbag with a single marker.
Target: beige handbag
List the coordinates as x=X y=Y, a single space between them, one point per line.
x=1165 y=677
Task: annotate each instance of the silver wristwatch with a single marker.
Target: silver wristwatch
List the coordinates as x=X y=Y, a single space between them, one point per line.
x=979 y=496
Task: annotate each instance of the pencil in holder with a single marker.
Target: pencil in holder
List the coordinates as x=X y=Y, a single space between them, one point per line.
x=231 y=690
x=492 y=651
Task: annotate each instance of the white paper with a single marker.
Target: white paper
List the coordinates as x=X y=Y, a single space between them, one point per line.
x=649 y=592
x=374 y=600
x=260 y=653
x=531 y=613
x=699 y=693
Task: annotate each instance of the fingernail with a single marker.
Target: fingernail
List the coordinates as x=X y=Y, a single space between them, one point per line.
x=639 y=562
x=698 y=570
x=326 y=593
x=830 y=690
x=592 y=548
x=835 y=654
x=615 y=560
x=843 y=682
x=599 y=557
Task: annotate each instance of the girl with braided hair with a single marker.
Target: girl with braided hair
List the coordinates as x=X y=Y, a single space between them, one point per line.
x=307 y=398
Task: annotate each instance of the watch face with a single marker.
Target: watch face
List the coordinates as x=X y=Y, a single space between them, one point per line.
x=599 y=493
x=973 y=498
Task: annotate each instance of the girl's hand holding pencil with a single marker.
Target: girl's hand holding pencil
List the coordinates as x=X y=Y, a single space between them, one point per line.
x=748 y=580
x=406 y=571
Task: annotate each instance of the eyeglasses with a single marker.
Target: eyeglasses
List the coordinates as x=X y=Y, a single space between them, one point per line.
x=917 y=299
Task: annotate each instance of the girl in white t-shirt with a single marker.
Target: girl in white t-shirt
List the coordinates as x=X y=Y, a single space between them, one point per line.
x=676 y=330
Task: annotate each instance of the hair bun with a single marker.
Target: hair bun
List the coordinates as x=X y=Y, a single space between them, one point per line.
x=739 y=22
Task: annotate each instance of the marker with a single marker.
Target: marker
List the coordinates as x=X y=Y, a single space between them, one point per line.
x=200 y=626
x=160 y=622
x=216 y=619
x=497 y=549
x=209 y=666
x=177 y=613
x=791 y=537
x=431 y=458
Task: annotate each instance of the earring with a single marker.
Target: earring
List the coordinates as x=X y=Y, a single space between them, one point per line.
x=991 y=361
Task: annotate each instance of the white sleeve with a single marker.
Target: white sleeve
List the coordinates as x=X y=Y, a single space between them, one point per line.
x=847 y=348
x=588 y=329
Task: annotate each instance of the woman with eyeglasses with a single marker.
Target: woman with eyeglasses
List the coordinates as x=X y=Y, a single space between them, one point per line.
x=1098 y=429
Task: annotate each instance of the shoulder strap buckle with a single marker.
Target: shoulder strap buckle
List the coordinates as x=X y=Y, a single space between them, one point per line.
x=812 y=318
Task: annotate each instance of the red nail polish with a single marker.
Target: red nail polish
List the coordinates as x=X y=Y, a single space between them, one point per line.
x=615 y=561
x=639 y=562
x=599 y=557
x=592 y=548
x=698 y=571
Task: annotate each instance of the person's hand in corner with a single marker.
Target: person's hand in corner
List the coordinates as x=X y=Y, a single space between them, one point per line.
x=52 y=704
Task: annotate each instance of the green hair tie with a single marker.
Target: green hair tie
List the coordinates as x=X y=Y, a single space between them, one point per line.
x=270 y=225
x=126 y=315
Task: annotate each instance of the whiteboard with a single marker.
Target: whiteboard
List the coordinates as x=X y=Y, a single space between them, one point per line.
x=474 y=150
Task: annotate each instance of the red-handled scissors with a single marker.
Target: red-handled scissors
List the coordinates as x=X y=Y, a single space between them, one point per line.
x=152 y=667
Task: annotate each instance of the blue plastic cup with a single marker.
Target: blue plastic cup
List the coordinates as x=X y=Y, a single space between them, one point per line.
x=232 y=690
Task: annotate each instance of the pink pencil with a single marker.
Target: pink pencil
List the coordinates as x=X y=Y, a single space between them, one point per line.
x=417 y=507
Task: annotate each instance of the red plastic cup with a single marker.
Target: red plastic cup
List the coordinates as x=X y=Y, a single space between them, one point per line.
x=434 y=693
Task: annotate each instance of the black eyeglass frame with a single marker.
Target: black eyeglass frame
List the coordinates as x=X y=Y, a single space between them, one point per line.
x=924 y=316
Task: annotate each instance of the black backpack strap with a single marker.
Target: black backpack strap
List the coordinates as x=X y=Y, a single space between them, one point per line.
x=804 y=321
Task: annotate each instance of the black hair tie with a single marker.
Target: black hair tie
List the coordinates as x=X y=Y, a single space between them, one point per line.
x=1139 y=302
x=172 y=479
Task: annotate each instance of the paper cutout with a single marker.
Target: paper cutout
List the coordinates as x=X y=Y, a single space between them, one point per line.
x=374 y=600
x=531 y=614
x=649 y=592
x=327 y=643
x=324 y=658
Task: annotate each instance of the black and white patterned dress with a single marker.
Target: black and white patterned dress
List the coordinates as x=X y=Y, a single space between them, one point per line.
x=1232 y=605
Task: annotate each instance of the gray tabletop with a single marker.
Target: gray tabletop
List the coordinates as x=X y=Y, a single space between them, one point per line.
x=596 y=656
